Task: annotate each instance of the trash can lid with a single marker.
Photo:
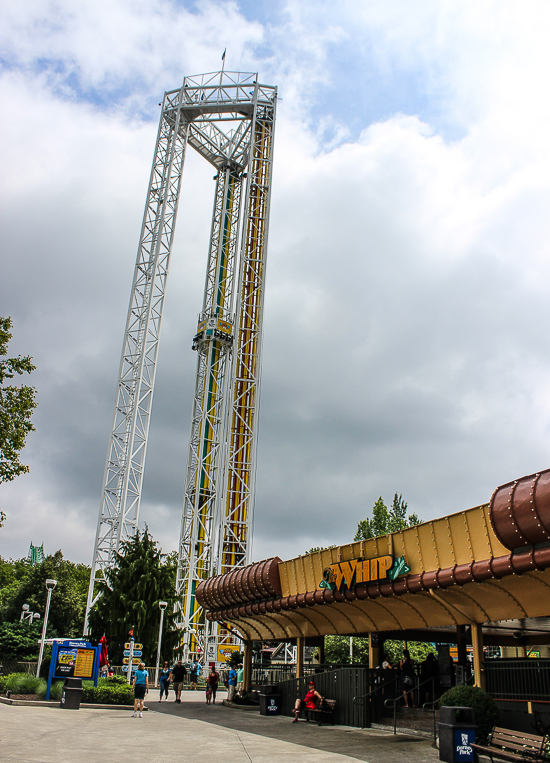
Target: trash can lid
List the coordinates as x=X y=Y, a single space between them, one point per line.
x=73 y=683
x=457 y=715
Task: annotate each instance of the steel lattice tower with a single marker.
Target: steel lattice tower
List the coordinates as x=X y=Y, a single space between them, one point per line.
x=229 y=119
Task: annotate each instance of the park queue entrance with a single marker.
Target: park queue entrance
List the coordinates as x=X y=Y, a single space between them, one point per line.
x=477 y=581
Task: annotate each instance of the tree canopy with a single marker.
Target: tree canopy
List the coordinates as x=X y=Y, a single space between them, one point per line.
x=337 y=650
x=384 y=521
x=21 y=583
x=16 y=407
x=141 y=577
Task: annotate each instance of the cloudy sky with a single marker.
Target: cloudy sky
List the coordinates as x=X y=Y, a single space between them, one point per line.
x=406 y=344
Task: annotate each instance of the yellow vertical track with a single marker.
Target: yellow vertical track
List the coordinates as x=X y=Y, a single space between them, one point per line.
x=213 y=366
x=243 y=431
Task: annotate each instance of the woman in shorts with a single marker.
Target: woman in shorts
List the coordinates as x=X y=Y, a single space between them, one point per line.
x=164 y=680
x=141 y=687
x=212 y=686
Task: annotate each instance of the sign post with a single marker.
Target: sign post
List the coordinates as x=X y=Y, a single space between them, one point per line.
x=131 y=656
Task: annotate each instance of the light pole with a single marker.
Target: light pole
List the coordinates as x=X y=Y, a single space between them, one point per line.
x=162 y=606
x=26 y=614
x=50 y=585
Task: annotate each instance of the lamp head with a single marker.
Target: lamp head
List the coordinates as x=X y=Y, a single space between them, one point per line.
x=163 y=604
x=51 y=584
x=36 y=616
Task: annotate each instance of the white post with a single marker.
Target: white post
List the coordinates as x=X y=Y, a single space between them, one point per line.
x=162 y=605
x=351 y=650
x=50 y=585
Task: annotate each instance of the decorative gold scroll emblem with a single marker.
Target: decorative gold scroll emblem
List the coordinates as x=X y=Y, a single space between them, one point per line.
x=347 y=574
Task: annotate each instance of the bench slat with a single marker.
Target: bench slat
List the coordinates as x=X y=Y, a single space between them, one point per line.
x=517 y=738
x=520 y=734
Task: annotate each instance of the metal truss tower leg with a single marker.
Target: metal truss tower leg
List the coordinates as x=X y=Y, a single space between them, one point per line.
x=213 y=342
x=119 y=510
x=240 y=465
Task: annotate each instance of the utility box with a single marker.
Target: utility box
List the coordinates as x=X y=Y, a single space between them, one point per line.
x=457 y=731
x=71 y=694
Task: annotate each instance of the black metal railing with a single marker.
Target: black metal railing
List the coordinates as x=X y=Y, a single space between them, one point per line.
x=19 y=667
x=432 y=707
x=273 y=674
x=414 y=691
x=380 y=691
x=521 y=679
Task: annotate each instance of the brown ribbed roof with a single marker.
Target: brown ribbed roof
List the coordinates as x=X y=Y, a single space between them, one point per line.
x=262 y=601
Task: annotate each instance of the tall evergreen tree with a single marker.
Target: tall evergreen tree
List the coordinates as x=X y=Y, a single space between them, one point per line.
x=130 y=595
x=386 y=521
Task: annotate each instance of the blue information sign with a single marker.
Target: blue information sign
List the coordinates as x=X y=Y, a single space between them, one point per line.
x=463 y=744
x=74 y=659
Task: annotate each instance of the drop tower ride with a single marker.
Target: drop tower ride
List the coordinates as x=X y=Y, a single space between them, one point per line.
x=229 y=119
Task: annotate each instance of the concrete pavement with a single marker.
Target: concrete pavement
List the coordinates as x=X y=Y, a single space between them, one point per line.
x=194 y=732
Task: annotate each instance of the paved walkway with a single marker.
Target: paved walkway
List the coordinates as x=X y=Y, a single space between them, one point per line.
x=192 y=732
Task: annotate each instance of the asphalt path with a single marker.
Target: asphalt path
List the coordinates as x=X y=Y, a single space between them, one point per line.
x=192 y=731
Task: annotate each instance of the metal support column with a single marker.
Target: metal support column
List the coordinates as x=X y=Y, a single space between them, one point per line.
x=477 y=647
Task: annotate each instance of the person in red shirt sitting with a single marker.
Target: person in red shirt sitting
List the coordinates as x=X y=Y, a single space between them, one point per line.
x=310 y=701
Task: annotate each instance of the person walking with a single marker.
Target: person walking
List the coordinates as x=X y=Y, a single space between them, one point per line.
x=194 y=674
x=240 y=680
x=164 y=680
x=212 y=686
x=177 y=675
x=407 y=679
x=141 y=688
x=231 y=683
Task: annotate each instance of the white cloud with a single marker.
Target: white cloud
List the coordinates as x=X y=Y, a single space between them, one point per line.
x=405 y=337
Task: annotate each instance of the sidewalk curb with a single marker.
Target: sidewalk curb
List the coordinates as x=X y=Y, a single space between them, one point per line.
x=55 y=703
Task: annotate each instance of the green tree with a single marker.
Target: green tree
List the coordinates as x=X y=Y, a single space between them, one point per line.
x=419 y=650
x=16 y=407
x=22 y=583
x=19 y=641
x=141 y=577
x=386 y=521
x=337 y=650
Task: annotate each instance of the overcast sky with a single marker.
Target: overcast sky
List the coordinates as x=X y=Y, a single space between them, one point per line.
x=407 y=313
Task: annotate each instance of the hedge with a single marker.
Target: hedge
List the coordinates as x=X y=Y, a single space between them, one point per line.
x=109 y=691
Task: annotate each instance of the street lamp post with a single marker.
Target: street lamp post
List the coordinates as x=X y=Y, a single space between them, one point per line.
x=50 y=585
x=162 y=606
x=26 y=614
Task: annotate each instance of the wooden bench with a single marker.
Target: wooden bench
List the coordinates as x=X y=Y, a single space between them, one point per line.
x=324 y=711
x=514 y=745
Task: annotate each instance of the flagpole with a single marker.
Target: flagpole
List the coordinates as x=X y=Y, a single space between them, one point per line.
x=223 y=66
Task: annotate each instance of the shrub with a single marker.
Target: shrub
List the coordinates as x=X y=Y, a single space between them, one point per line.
x=107 y=691
x=23 y=683
x=483 y=705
